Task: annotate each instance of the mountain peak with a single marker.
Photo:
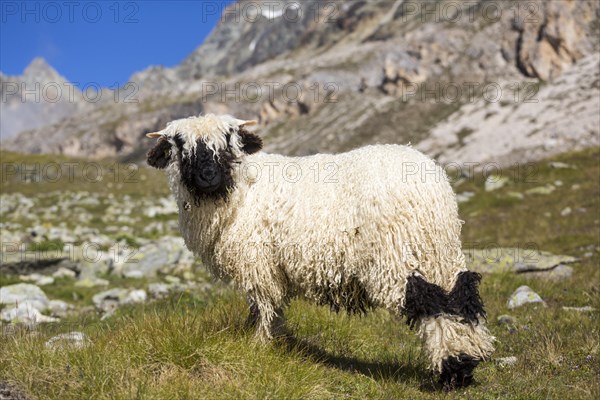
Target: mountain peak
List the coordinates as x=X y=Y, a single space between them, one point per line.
x=40 y=70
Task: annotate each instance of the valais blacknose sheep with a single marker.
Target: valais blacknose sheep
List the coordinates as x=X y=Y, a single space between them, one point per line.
x=373 y=227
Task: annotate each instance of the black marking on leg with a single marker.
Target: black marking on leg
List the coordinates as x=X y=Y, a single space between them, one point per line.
x=423 y=299
x=253 y=316
x=457 y=371
x=464 y=299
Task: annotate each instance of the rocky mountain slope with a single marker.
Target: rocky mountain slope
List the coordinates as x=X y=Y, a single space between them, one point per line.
x=450 y=77
x=41 y=96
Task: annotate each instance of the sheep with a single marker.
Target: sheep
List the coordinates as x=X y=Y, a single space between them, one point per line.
x=373 y=227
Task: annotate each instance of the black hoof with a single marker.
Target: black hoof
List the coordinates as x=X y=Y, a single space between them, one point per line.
x=457 y=371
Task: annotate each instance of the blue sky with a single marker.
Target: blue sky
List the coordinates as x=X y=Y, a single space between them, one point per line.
x=103 y=42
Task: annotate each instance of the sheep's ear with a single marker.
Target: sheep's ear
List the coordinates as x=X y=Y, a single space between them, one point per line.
x=159 y=155
x=247 y=123
x=251 y=142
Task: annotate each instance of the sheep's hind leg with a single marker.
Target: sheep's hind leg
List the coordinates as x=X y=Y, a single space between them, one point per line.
x=451 y=326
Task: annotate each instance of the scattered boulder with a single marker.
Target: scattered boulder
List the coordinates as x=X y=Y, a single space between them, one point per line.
x=25 y=313
x=38 y=279
x=163 y=256
x=135 y=296
x=158 y=290
x=557 y=273
x=580 y=309
x=530 y=262
x=21 y=292
x=542 y=190
x=109 y=300
x=91 y=281
x=495 y=182
x=464 y=197
x=560 y=165
x=59 y=308
x=506 y=361
x=507 y=320
x=71 y=339
x=566 y=211
x=524 y=295
x=133 y=274
x=63 y=272
x=9 y=392
x=515 y=195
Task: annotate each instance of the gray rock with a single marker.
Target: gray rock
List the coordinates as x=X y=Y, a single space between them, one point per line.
x=524 y=295
x=63 y=272
x=59 y=308
x=76 y=340
x=560 y=165
x=517 y=260
x=507 y=320
x=163 y=255
x=134 y=274
x=464 y=197
x=109 y=300
x=94 y=267
x=21 y=292
x=566 y=211
x=91 y=281
x=495 y=182
x=542 y=190
x=38 y=279
x=172 y=279
x=558 y=273
x=135 y=296
x=515 y=195
x=580 y=309
x=25 y=313
x=158 y=290
x=506 y=361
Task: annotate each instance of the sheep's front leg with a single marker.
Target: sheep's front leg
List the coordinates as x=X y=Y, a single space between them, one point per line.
x=267 y=317
x=254 y=314
x=270 y=322
x=265 y=286
x=451 y=326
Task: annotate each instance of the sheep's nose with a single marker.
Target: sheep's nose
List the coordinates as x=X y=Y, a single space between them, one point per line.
x=210 y=175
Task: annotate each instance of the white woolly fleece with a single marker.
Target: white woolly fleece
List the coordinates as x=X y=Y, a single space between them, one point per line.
x=445 y=336
x=377 y=213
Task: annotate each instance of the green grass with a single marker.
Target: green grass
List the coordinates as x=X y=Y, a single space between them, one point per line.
x=195 y=345
x=53 y=172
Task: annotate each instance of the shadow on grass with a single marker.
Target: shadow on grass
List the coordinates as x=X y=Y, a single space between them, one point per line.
x=380 y=371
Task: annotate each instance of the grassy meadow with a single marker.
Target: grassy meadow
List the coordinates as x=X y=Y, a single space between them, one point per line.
x=194 y=345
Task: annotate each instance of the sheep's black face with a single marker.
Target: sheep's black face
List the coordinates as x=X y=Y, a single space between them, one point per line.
x=202 y=173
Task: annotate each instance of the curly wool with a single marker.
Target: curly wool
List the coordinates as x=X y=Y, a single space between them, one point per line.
x=374 y=214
